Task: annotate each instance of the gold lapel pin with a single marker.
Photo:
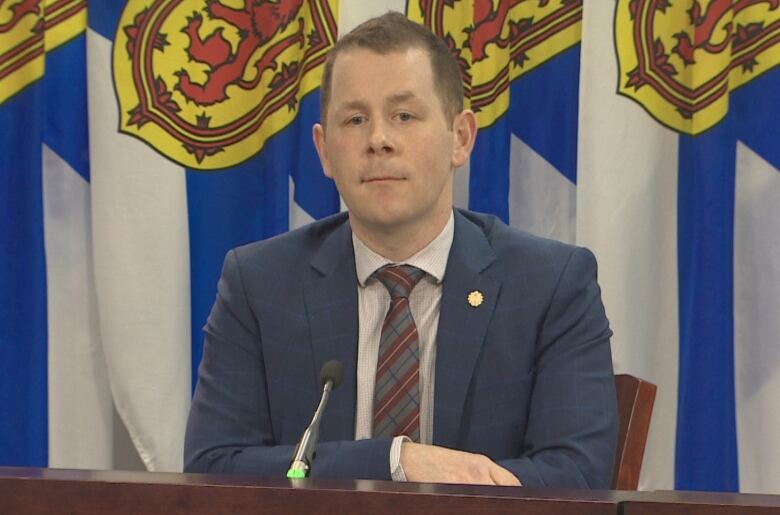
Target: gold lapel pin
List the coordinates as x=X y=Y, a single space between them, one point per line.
x=475 y=299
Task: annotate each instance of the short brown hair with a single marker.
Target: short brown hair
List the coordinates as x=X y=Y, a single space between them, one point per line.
x=393 y=32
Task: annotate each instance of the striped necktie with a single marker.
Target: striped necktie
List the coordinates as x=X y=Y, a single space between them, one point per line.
x=397 y=390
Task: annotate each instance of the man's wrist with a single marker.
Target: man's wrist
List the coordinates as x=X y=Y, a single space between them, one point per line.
x=396 y=469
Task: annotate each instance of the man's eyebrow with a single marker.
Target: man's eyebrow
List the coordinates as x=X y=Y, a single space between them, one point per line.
x=351 y=105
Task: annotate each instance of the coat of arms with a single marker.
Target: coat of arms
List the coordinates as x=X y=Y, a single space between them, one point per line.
x=206 y=83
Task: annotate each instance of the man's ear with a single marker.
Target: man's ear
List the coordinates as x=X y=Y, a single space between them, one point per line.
x=464 y=134
x=318 y=135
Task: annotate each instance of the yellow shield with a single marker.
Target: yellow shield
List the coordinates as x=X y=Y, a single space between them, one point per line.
x=497 y=41
x=29 y=29
x=208 y=83
x=680 y=59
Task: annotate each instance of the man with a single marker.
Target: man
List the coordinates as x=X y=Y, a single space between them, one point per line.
x=504 y=375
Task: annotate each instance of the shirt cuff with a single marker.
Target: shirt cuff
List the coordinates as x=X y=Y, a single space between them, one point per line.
x=396 y=470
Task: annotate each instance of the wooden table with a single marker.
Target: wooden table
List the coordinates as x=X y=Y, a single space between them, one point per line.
x=32 y=491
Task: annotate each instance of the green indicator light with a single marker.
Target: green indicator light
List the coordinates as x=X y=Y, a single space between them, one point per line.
x=296 y=474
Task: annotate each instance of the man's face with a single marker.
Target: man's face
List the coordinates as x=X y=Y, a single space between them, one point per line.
x=387 y=143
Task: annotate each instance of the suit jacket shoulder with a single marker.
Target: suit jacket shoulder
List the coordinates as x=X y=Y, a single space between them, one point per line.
x=511 y=244
x=288 y=255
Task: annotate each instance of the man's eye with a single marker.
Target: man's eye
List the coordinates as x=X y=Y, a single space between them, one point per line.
x=405 y=117
x=355 y=120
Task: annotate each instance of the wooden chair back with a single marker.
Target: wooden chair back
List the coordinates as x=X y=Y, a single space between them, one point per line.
x=635 y=406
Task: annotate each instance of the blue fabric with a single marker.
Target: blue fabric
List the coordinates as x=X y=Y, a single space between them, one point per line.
x=489 y=171
x=706 y=454
x=103 y=17
x=51 y=111
x=525 y=379
x=756 y=109
x=545 y=108
x=23 y=327
x=543 y=113
x=65 y=116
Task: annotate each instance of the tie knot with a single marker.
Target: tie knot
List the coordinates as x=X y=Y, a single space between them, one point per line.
x=399 y=279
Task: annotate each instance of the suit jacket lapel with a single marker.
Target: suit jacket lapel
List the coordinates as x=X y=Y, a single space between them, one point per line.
x=462 y=327
x=332 y=311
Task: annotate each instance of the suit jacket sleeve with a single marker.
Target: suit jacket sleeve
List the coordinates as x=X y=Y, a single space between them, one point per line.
x=230 y=429
x=572 y=420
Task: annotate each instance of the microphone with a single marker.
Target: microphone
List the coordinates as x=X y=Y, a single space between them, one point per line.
x=331 y=375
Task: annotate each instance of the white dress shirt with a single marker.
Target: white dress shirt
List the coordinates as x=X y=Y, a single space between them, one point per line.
x=373 y=303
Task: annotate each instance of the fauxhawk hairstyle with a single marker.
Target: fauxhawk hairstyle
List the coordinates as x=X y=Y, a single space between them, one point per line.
x=393 y=32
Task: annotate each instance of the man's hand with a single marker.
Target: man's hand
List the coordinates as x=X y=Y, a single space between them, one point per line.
x=433 y=464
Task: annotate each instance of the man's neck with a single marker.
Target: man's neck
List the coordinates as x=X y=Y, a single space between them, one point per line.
x=398 y=243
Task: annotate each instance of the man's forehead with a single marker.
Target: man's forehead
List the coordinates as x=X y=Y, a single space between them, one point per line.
x=397 y=84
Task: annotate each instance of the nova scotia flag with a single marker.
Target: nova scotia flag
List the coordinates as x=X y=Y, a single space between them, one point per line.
x=679 y=196
x=124 y=185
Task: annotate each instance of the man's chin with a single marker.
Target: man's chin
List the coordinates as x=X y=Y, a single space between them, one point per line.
x=383 y=222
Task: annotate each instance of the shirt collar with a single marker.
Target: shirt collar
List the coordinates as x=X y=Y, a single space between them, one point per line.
x=432 y=259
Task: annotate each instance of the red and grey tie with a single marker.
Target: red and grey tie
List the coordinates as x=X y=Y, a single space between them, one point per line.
x=397 y=390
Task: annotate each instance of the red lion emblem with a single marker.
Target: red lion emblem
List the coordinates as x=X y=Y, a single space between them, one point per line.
x=19 y=11
x=232 y=76
x=488 y=24
x=257 y=23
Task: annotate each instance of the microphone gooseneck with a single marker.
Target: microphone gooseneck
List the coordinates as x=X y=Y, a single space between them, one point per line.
x=331 y=375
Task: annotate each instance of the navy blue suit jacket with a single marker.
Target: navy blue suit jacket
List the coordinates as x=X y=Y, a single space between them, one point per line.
x=525 y=379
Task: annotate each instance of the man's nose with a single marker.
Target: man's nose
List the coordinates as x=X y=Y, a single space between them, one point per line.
x=379 y=138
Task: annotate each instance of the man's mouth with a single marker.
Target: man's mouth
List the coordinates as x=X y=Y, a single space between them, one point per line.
x=381 y=178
